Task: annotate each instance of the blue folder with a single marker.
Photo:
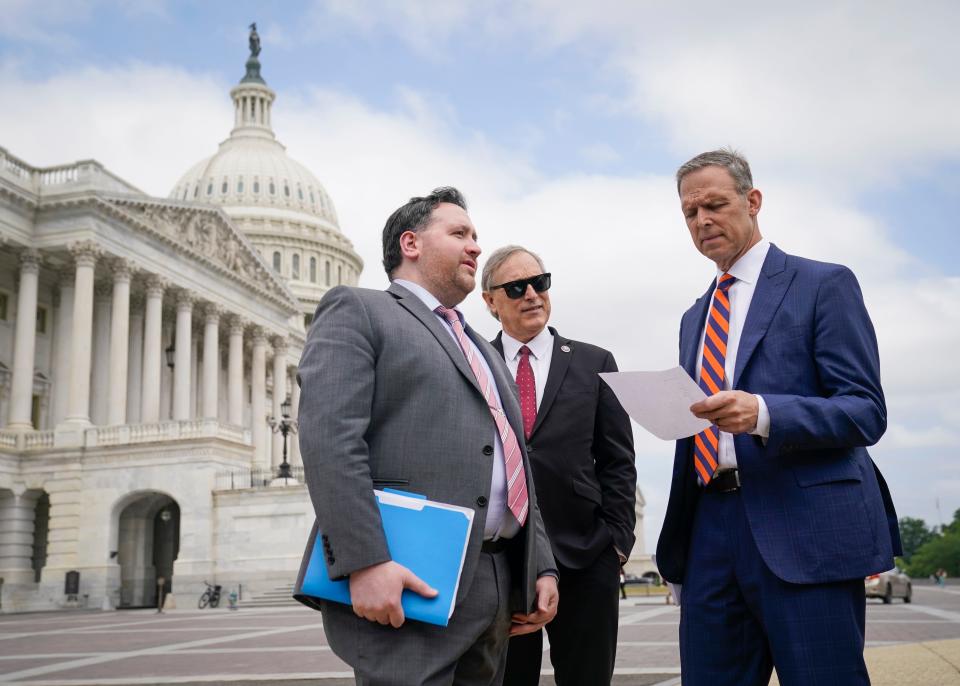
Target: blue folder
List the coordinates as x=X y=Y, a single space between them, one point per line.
x=427 y=537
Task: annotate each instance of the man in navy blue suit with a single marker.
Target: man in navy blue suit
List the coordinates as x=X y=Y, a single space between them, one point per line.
x=776 y=512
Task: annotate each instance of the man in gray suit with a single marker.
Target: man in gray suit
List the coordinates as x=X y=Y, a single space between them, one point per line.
x=399 y=392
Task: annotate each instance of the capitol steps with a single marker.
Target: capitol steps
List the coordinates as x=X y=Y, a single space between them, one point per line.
x=280 y=596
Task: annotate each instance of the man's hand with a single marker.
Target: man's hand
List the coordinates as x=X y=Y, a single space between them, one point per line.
x=547 y=599
x=732 y=411
x=375 y=592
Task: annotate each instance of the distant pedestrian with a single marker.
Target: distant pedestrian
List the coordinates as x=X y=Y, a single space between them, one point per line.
x=623 y=585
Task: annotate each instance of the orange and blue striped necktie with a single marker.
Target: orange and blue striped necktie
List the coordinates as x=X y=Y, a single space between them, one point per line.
x=706 y=448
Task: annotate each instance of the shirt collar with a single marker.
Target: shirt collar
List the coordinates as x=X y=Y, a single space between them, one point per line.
x=539 y=345
x=425 y=296
x=747 y=268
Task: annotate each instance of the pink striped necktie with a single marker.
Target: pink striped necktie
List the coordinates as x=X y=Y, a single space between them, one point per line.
x=527 y=386
x=517 y=499
x=706 y=444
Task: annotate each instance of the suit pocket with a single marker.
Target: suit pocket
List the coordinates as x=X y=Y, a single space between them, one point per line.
x=390 y=482
x=827 y=472
x=588 y=491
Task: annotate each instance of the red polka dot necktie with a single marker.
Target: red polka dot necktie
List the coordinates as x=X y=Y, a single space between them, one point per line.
x=706 y=444
x=517 y=499
x=528 y=391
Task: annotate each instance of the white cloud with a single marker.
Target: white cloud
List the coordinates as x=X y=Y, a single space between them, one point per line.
x=623 y=264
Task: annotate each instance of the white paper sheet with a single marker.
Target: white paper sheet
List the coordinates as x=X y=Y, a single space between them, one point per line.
x=659 y=401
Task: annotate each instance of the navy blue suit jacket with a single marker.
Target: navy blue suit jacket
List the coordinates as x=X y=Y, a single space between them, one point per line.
x=818 y=508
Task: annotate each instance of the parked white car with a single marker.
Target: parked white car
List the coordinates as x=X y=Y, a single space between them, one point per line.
x=889 y=585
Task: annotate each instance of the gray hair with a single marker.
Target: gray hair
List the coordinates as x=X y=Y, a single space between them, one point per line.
x=728 y=158
x=498 y=257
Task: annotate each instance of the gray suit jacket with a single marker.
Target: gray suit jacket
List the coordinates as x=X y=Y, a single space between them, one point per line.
x=389 y=401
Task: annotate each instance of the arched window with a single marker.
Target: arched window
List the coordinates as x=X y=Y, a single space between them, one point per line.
x=276 y=262
x=326 y=269
x=256 y=185
x=300 y=193
x=210 y=187
x=313 y=270
x=240 y=185
x=286 y=189
x=296 y=266
x=224 y=187
x=273 y=189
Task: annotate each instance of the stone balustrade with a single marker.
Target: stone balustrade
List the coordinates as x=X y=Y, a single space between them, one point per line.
x=130 y=434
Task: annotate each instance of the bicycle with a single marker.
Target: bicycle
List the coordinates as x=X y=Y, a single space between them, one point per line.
x=210 y=597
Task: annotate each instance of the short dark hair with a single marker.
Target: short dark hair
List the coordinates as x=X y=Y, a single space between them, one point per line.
x=413 y=216
x=728 y=158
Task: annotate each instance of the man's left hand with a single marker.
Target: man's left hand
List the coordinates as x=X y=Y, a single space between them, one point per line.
x=547 y=599
x=732 y=411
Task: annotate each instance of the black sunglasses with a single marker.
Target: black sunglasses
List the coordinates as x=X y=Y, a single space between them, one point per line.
x=516 y=289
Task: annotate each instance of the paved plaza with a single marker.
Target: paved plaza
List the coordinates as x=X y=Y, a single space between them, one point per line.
x=917 y=643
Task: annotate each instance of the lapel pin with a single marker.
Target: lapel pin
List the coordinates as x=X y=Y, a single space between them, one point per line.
x=565 y=348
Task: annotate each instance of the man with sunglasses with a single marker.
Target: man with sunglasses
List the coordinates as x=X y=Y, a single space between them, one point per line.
x=581 y=451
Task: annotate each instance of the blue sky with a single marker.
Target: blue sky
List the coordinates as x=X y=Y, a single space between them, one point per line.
x=563 y=123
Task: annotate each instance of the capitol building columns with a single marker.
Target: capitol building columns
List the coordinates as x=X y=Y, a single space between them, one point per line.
x=181 y=363
x=78 y=403
x=258 y=400
x=211 y=362
x=235 y=373
x=24 y=347
x=119 y=344
x=152 y=346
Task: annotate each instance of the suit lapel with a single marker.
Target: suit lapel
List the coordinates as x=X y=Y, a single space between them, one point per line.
x=559 y=364
x=772 y=285
x=690 y=330
x=418 y=309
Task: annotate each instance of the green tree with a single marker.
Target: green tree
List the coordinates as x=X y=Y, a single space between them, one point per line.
x=914 y=533
x=940 y=551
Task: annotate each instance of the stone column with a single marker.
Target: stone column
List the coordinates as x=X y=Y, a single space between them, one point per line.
x=119 y=343
x=63 y=328
x=295 y=459
x=279 y=394
x=181 y=364
x=24 y=345
x=100 y=364
x=135 y=359
x=78 y=407
x=16 y=536
x=235 y=373
x=258 y=397
x=152 y=350
x=211 y=361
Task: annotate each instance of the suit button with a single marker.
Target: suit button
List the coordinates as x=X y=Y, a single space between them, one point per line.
x=529 y=448
x=488 y=450
x=331 y=559
x=482 y=501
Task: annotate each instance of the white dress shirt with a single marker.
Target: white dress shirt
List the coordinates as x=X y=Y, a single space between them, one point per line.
x=499 y=523
x=541 y=353
x=747 y=271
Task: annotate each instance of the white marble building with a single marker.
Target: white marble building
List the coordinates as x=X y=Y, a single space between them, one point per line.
x=144 y=344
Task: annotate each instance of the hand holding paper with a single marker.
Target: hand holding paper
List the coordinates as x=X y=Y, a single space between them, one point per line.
x=376 y=591
x=659 y=401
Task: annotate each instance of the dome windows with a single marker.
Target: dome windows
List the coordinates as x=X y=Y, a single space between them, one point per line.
x=313 y=270
x=239 y=185
x=286 y=189
x=210 y=187
x=273 y=188
x=256 y=186
x=300 y=193
x=326 y=269
x=196 y=190
x=276 y=261
x=225 y=186
x=296 y=267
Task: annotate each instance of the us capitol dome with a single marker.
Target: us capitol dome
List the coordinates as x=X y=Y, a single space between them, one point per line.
x=277 y=202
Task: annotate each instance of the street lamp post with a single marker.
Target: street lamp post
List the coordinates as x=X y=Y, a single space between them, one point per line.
x=285 y=426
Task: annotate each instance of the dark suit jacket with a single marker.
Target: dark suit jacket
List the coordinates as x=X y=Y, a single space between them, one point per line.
x=818 y=508
x=581 y=450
